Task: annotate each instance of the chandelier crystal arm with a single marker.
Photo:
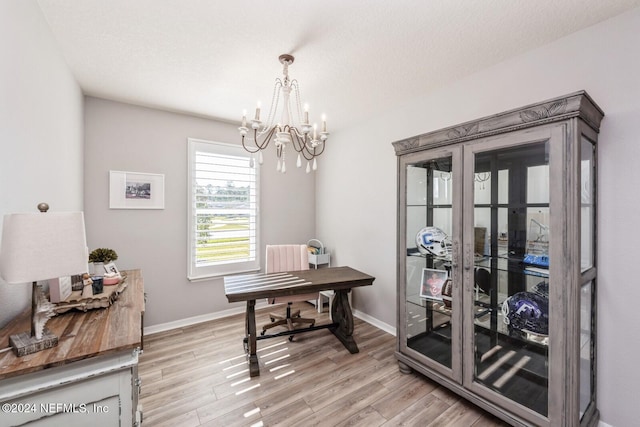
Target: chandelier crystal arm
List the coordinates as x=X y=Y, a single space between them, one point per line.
x=302 y=144
x=256 y=137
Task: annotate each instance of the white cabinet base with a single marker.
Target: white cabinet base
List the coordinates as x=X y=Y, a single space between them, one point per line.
x=99 y=391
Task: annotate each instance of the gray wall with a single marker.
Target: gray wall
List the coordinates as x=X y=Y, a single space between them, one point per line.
x=360 y=220
x=129 y=138
x=40 y=127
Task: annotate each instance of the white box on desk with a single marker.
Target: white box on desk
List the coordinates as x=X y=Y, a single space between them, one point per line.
x=59 y=289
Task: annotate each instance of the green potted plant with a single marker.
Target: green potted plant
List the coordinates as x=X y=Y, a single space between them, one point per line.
x=101 y=256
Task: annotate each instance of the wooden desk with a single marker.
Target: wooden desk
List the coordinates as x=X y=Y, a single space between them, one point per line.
x=96 y=358
x=250 y=287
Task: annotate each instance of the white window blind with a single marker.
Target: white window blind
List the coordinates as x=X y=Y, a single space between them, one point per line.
x=223 y=210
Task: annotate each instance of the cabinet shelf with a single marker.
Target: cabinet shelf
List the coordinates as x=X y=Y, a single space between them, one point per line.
x=515 y=265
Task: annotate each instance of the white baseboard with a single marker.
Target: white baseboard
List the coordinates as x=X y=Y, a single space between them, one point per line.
x=375 y=322
x=198 y=319
x=239 y=310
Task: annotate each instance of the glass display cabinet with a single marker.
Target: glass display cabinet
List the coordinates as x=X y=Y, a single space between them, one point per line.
x=497 y=263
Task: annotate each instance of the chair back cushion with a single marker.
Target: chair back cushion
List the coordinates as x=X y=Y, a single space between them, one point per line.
x=286 y=258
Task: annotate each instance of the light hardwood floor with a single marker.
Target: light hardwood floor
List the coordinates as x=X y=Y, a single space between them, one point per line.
x=197 y=376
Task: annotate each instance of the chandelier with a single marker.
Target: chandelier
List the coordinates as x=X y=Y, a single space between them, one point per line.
x=299 y=133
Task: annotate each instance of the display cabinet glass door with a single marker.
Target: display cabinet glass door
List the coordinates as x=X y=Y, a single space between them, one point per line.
x=430 y=330
x=507 y=269
x=587 y=268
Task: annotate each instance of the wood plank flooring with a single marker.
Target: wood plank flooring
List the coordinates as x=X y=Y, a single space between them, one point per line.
x=198 y=376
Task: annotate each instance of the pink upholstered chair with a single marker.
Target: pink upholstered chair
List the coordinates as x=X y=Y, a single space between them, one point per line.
x=287 y=258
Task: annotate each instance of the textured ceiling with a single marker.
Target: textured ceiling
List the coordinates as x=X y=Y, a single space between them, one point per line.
x=354 y=58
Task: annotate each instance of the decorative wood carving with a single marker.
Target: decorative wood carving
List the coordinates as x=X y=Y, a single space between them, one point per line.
x=544 y=111
x=463 y=131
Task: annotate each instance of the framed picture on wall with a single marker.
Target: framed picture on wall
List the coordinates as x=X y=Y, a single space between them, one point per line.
x=136 y=190
x=432 y=282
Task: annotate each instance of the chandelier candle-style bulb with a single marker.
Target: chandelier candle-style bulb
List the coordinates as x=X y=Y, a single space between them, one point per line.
x=287 y=124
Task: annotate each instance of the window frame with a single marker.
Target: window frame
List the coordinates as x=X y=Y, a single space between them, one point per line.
x=194 y=272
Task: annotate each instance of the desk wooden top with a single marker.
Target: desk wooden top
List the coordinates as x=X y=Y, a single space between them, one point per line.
x=81 y=335
x=260 y=285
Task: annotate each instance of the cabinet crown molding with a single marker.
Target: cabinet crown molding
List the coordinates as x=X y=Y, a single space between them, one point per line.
x=577 y=104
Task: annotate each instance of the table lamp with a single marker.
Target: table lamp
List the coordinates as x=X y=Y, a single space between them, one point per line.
x=41 y=246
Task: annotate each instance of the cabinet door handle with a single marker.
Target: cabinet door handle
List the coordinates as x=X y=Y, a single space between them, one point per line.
x=468 y=261
x=454 y=254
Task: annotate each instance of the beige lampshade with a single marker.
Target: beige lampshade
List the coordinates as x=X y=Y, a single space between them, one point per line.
x=42 y=246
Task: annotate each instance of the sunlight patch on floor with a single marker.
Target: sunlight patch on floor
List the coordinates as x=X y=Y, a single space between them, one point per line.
x=269 y=362
x=238 y=393
x=242 y=356
x=251 y=412
x=275 y=352
x=242 y=381
x=283 y=342
x=234 y=366
x=276 y=368
x=235 y=374
x=277 y=377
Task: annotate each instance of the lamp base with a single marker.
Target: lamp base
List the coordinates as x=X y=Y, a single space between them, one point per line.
x=23 y=343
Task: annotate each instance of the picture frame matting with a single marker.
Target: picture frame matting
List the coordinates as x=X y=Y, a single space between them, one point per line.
x=136 y=190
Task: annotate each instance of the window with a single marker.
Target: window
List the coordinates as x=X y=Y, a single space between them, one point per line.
x=223 y=210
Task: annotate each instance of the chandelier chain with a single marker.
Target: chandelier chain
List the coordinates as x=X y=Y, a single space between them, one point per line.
x=296 y=85
x=275 y=98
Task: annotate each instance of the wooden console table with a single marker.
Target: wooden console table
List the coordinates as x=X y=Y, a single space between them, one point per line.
x=89 y=378
x=250 y=287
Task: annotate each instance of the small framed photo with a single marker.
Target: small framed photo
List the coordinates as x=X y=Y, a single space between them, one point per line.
x=111 y=268
x=432 y=282
x=136 y=190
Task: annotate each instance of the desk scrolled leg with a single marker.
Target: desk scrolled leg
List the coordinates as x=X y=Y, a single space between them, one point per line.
x=254 y=367
x=341 y=314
